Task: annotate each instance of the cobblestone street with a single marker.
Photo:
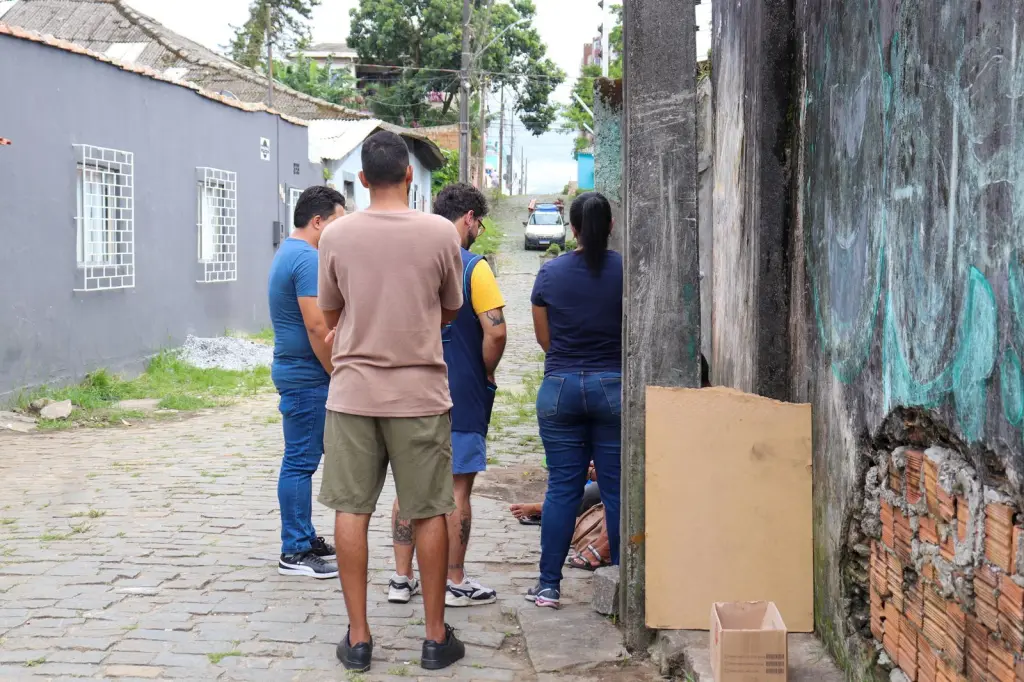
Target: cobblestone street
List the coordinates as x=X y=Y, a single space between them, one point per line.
x=149 y=551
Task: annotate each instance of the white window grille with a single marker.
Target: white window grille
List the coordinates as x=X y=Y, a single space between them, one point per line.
x=293 y=200
x=217 y=224
x=105 y=219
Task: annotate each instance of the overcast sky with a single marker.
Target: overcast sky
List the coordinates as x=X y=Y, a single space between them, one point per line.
x=564 y=25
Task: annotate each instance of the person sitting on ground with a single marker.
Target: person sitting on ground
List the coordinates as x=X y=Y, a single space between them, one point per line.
x=577 y=319
x=529 y=513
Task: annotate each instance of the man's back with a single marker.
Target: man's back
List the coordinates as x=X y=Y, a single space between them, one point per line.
x=390 y=273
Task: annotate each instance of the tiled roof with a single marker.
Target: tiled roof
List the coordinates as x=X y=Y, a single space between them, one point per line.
x=20 y=33
x=334 y=139
x=99 y=24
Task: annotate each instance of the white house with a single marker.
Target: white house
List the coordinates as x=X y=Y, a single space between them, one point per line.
x=338 y=145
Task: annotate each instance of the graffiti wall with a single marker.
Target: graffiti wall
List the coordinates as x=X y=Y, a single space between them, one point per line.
x=909 y=219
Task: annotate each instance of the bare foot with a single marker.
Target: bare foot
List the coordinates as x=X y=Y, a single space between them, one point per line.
x=522 y=511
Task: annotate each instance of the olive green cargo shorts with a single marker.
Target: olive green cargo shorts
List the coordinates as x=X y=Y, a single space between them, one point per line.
x=356 y=455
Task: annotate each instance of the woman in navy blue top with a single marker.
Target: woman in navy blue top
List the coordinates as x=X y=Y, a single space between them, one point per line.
x=577 y=317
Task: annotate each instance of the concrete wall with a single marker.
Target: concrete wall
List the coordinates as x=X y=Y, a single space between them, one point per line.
x=705 y=211
x=753 y=50
x=608 y=152
x=912 y=209
x=347 y=170
x=54 y=99
x=902 y=245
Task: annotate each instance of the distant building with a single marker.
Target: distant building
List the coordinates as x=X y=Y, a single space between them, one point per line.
x=338 y=146
x=339 y=55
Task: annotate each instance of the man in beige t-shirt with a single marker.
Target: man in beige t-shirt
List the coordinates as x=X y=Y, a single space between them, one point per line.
x=390 y=277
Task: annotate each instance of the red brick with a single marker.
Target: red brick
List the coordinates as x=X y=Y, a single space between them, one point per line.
x=927 y=531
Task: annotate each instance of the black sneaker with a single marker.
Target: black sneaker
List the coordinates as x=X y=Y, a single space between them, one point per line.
x=307 y=564
x=438 y=655
x=355 y=658
x=322 y=549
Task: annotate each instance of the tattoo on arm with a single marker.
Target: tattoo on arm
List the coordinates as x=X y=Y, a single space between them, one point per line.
x=497 y=317
x=402 y=532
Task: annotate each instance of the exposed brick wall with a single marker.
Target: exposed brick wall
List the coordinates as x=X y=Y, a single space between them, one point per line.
x=945 y=572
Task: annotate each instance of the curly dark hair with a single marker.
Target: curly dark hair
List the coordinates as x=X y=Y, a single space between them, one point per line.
x=455 y=201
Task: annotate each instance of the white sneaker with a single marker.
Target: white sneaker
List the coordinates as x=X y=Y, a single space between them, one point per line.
x=401 y=589
x=469 y=593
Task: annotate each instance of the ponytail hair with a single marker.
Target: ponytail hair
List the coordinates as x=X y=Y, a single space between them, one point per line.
x=591 y=215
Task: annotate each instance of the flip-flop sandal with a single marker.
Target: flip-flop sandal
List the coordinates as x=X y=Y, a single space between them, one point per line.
x=578 y=560
x=531 y=520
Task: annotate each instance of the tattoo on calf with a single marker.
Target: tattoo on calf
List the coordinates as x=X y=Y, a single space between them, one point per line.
x=467 y=523
x=402 y=532
x=497 y=317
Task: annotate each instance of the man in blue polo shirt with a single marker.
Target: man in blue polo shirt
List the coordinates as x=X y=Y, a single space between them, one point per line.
x=302 y=373
x=473 y=346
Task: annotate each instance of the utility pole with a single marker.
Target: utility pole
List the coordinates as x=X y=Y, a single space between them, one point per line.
x=522 y=170
x=501 y=145
x=270 y=57
x=482 y=157
x=464 y=150
x=512 y=152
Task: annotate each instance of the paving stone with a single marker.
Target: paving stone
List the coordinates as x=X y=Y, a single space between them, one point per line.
x=606 y=590
x=570 y=638
x=141 y=671
x=183 y=563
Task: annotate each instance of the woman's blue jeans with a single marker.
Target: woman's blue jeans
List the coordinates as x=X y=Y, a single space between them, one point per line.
x=580 y=417
x=303 y=411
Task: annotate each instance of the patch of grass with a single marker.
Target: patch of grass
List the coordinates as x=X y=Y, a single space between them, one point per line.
x=186 y=403
x=217 y=658
x=175 y=383
x=493 y=460
x=272 y=419
x=398 y=671
x=8 y=522
x=80 y=528
x=92 y=514
x=265 y=335
x=489 y=242
x=353 y=676
x=35 y=662
x=52 y=536
x=120 y=534
x=416 y=621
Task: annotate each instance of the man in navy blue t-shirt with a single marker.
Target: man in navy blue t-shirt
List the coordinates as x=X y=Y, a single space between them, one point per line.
x=302 y=374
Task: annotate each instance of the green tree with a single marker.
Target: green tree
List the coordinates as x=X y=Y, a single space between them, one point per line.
x=448 y=174
x=287 y=20
x=615 y=41
x=305 y=75
x=424 y=37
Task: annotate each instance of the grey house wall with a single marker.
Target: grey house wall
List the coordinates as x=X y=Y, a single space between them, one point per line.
x=51 y=100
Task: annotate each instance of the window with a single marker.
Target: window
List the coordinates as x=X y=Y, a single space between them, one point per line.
x=217 y=224
x=415 y=197
x=104 y=220
x=293 y=200
x=545 y=218
x=350 y=195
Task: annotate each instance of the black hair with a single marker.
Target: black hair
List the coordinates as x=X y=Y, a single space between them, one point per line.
x=385 y=159
x=591 y=215
x=456 y=200
x=318 y=200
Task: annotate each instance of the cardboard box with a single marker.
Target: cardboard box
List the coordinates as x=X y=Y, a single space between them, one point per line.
x=748 y=642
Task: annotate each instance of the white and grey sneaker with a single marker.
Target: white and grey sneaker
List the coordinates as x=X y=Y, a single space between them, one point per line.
x=401 y=589
x=469 y=593
x=307 y=564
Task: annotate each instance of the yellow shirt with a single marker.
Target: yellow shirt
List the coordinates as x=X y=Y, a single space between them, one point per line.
x=486 y=295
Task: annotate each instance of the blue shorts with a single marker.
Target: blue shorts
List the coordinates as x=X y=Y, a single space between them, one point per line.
x=469 y=452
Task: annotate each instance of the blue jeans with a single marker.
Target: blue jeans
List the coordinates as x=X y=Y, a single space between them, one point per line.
x=303 y=411
x=580 y=416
